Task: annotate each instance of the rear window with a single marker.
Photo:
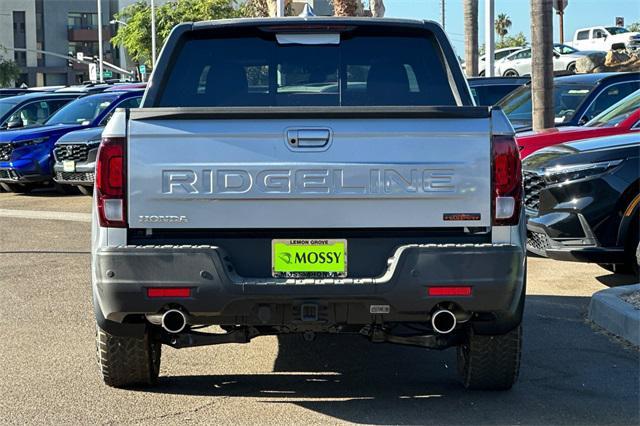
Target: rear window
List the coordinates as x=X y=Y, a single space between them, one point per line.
x=359 y=71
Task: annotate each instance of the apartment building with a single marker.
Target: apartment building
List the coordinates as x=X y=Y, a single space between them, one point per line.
x=59 y=28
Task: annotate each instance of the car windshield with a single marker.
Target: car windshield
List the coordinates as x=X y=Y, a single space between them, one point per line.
x=563 y=49
x=82 y=111
x=616 y=30
x=617 y=113
x=567 y=99
x=5 y=107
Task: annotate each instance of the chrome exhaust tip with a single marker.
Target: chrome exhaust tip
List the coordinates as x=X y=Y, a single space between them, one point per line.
x=443 y=321
x=174 y=321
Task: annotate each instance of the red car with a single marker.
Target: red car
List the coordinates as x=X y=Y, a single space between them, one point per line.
x=622 y=117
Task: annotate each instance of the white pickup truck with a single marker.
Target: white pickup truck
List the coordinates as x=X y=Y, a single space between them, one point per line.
x=317 y=175
x=603 y=38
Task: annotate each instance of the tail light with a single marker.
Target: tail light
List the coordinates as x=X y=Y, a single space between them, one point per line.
x=110 y=183
x=506 y=181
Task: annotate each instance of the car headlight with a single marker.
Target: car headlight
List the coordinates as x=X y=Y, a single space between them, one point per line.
x=569 y=172
x=32 y=142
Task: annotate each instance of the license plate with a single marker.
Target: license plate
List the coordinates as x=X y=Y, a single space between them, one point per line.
x=69 y=166
x=309 y=258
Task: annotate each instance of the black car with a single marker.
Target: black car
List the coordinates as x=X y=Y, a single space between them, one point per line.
x=582 y=201
x=489 y=90
x=577 y=98
x=32 y=109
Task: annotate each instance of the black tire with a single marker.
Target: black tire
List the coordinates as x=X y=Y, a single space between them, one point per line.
x=85 y=190
x=127 y=361
x=571 y=68
x=490 y=362
x=511 y=73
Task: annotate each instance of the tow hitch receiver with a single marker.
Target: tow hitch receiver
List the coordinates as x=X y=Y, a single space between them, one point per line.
x=194 y=338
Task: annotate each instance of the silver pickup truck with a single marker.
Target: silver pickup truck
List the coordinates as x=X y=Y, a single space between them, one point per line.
x=317 y=175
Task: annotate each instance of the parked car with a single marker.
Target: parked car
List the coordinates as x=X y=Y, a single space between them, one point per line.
x=604 y=38
x=582 y=201
x=26 y=155
x=622 y=117
x=498 y=54
x=489 y=90
x=234 y=182
x=31 y=109
x=577 y=98
x=519 y=62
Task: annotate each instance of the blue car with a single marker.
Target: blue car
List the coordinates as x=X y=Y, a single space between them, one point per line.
x=26 y=155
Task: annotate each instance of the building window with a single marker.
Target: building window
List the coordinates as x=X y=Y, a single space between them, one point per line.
x=82 y=21
x=89 y=48
x=21 y=59
x=19 y=38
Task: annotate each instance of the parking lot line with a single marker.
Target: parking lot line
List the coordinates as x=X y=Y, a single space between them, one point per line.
x=46 y=215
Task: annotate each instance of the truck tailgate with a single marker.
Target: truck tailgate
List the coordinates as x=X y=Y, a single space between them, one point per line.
x=305 y=171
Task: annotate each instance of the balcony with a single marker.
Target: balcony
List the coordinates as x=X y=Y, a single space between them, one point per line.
x=87 y=34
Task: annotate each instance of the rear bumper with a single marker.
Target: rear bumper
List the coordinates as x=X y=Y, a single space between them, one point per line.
x=219 y=296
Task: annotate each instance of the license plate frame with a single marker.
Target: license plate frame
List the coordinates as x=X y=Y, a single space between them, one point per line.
x=281 y=269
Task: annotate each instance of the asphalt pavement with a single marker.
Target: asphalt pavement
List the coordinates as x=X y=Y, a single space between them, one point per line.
x=572 y=372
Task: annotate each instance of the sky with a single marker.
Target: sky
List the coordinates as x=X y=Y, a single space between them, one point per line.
x=579 y=14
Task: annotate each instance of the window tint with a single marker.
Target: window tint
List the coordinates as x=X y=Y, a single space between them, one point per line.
x=583 y=35
x=610 y=96
x=127 y=103
x=567 y=99
x=501 y=55
x=598 y=34
x=36 y=113
x=490 y=95
x=253 y=71
x=82 y=111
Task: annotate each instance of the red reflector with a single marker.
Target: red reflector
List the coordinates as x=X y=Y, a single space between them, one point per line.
x=449 y=291
x=169 y=292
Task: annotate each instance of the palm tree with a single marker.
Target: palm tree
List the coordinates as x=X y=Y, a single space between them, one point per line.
x=345 y=7
x=542 y=64
x=471 y=36
x=377 y=8
x=502 y=25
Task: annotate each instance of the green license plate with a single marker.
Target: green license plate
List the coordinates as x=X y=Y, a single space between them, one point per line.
x=309 y=258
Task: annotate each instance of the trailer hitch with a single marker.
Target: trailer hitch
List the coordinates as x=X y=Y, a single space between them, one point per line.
x=191 y=339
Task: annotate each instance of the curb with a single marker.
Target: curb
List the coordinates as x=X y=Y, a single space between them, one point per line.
x=615 y=315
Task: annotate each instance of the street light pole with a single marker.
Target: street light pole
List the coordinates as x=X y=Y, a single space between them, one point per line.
x=101 y=68
x=442 y=15
x=280 y=8
x=489 y=37
x=153 y=35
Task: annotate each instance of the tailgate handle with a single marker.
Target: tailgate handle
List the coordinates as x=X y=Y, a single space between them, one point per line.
x=308 y=138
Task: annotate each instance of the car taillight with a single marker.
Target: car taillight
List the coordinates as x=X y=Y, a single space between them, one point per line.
x=110 y=183
x=506 y=181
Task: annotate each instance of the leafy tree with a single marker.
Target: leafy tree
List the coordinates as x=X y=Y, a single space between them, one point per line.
x=345 y=7
x=502 y=25
x=634 y=27
x=9 y=70
x=518 y=40
x=135 y=36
